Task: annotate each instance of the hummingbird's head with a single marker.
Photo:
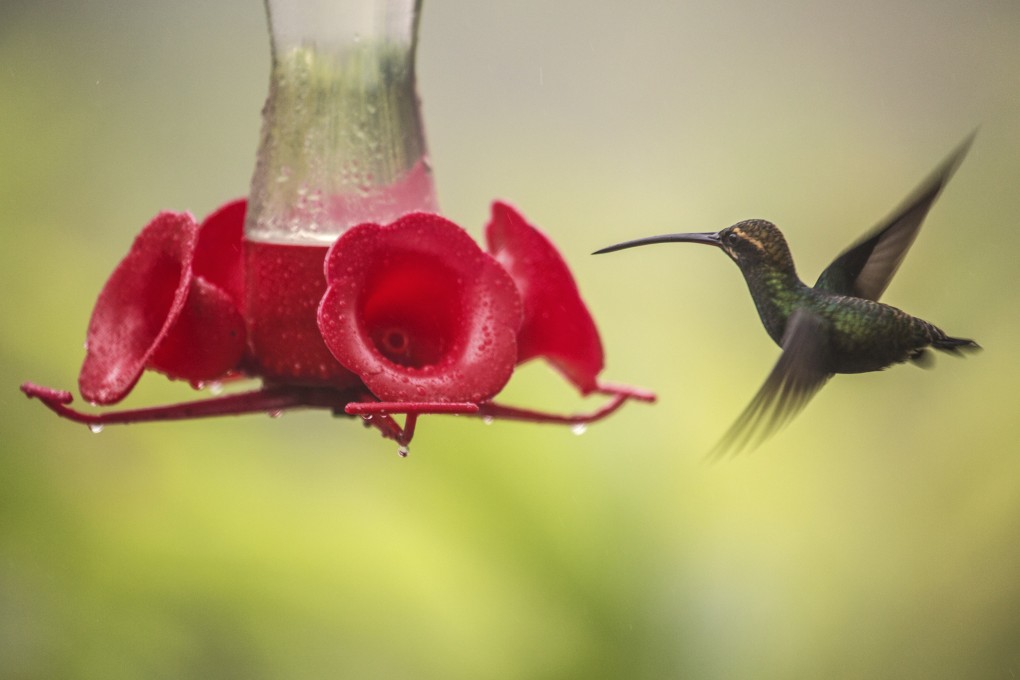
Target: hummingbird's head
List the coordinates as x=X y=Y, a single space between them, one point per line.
x=751 y=244
x=756 y=243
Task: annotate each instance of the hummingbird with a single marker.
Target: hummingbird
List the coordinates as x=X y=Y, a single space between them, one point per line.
x=836 y=326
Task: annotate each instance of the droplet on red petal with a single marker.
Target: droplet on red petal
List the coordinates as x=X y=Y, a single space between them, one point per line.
x=419 y=311
x=557 y=325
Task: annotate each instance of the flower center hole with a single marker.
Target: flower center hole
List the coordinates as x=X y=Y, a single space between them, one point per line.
x=412 y=311
x=395 y=341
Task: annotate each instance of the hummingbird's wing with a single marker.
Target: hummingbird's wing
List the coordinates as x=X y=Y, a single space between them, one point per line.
x=798 y=374
x=865 y=268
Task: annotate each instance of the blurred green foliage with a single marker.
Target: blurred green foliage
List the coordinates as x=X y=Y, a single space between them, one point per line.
x=878 y=536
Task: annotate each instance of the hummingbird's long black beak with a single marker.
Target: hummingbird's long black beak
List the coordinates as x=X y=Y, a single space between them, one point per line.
x=706 y=237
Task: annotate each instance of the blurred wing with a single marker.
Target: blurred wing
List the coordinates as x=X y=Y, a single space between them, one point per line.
x=865 y=269
x=799 y=373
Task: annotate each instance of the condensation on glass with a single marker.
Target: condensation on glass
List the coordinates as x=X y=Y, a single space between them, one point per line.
x=342 y=137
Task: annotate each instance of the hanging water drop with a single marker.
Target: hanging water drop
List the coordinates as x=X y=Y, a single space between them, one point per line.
x=96 y=428
x=488 y=420
x=402 y=451
x=579 y=428
x=275 y=413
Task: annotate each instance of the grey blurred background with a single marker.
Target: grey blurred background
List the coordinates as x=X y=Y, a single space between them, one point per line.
x=877 y=536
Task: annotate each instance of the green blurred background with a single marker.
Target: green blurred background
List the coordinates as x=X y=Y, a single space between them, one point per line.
x=877 y=536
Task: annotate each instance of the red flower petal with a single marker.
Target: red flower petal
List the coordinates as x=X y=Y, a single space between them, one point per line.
x=557 y=324
x=153 y=313
x=218 y=253
x=419 y=311
x=136 y=308
x=208 y=338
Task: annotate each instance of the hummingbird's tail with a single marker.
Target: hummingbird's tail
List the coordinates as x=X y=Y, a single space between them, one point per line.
x=939 y=340
x=955 y=345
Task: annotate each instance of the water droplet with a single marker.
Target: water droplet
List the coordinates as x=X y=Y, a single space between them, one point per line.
x=275 y=413
x=579 y=428
x=402 y=451
x=367 y=417
x=488 y=420
x=96 y=428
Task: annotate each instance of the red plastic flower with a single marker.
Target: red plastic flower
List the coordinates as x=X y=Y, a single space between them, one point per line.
x=172 y=305
x=420 y=312
x=417 y=318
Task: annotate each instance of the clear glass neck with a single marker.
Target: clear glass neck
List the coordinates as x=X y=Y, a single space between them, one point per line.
x=342 y=138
